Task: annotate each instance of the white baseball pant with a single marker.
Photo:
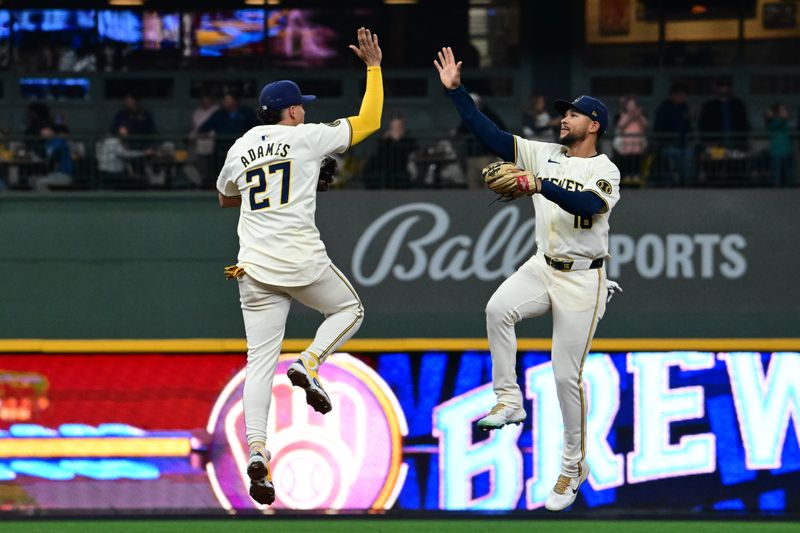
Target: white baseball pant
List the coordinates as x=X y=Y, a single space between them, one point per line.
x=577 y=300
x=265 y=308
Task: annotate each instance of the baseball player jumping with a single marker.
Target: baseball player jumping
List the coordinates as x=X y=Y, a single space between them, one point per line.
x=272 y=172
x=577 y=188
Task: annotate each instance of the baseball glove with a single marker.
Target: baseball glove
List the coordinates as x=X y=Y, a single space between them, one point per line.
x=233 y=272
x=508 y=181
x=327 y=170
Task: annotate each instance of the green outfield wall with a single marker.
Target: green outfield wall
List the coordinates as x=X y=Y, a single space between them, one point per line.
x=693 y=263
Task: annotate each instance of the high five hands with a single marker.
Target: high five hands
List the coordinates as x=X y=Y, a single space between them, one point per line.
x=368 y=50
x=449 y=70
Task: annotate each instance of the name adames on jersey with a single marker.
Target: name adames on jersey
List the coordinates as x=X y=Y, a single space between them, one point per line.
x=279 y=150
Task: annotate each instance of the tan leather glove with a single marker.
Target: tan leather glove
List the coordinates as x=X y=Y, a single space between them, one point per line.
x=509 y=181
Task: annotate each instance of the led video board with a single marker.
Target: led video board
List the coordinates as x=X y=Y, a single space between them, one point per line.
x=685 y=431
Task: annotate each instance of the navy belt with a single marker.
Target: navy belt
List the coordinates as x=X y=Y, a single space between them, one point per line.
x=566 y=264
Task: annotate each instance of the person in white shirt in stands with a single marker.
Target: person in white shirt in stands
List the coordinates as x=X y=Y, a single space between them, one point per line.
x=200 y=171
x=112 y=161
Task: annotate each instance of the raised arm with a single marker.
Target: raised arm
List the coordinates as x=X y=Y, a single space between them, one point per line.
x=500 y=142
x=368 y=120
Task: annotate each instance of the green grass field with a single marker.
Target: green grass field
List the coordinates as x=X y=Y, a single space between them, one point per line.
x=324 y=525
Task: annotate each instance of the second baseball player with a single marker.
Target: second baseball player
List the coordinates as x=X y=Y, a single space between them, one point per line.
x=574 y=189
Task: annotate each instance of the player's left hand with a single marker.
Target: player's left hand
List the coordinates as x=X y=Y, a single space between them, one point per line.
x=509 y=181
x=327 y=171
x=449 y=69
x=368 y=50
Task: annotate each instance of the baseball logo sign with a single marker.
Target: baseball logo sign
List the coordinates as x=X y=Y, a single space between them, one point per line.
x=349 y=459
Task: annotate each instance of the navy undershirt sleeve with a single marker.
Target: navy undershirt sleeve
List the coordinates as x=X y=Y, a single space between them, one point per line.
x=501 y=143
x=498 y=141
x=581 y=203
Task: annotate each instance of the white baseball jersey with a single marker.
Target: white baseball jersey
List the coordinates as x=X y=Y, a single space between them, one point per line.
x=560 y=234
x=275 y=170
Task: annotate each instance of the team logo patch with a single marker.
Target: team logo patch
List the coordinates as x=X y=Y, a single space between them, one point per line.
x=334 y=123
x=604 y=186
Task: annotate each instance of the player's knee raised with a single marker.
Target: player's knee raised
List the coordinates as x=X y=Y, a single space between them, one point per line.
x=495 y=311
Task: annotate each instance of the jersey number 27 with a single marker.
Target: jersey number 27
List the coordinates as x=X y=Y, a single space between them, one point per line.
x=284 y=167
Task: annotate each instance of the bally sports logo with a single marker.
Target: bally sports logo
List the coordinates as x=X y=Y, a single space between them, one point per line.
x=421 y=230
x=415 y=241
x=350 y=458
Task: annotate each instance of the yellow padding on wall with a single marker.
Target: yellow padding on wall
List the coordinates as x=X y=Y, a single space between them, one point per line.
x=387 y=345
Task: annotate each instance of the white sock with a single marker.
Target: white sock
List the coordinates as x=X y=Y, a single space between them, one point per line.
x=258 y=447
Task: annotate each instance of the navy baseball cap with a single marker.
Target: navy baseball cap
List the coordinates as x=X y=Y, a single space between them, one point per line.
x=589 y=106
x=282 y=94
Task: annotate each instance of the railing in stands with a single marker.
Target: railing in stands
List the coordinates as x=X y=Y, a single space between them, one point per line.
x=423 y=161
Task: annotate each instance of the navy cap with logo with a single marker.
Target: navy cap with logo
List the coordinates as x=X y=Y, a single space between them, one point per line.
x=589 y=106
x=281 y=94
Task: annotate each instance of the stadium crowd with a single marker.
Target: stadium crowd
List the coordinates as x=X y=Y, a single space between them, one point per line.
x=672 y=145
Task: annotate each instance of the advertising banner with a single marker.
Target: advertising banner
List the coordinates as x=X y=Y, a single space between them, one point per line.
x=697 y=263
x=692 y=263
x=110 y=433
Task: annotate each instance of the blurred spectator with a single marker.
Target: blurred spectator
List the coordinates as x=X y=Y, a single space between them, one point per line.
x=780 y=146
x=478 y=156
x=109 y=56
x=112 y=161
x=484 y=108
x=60 y=124
x=391 y=167
x=724 y=119
x=38 y=117
x=229 y=122
x=6 y=154
x=439 y=166
x=232 y=120
x=203 y=147
x=206 y=107
x=537 y=123
x=79 y=57
x=630 y=141
x=136 y=120
x=673 y=124
x=58 y=161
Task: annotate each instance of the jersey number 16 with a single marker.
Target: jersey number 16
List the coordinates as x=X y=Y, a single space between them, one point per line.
x=284 y=167
x=582 y=222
